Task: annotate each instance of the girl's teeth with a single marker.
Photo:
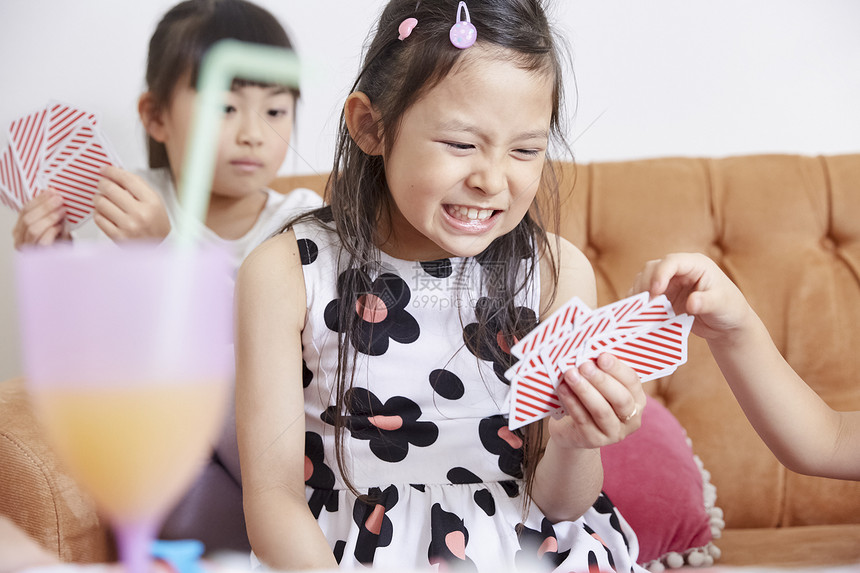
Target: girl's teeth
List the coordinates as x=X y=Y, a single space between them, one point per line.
x=470 y=213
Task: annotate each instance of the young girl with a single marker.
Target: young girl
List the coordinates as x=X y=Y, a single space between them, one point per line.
x=373 y=335
x=257 y=124
x=804 y=433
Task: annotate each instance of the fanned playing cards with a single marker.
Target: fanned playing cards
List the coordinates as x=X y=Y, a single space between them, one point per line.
x=59 y=146
x=644 y=333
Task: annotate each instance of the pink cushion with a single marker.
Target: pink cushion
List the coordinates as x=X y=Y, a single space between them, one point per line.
x=653 y=479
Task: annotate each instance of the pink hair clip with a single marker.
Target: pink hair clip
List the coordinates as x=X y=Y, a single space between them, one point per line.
x=405 y=28
x=463 y=33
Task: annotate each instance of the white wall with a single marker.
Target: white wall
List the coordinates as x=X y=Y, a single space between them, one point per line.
x=662 y=77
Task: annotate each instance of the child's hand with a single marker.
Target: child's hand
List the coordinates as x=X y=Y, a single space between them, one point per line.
x=41 y=221
x=694 y=284
x=127 y=208
x=603 y=404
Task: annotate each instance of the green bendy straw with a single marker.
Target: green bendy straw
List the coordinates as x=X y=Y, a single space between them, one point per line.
x=225 y=60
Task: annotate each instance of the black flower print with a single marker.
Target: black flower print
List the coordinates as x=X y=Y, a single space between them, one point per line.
x=539 y=549
x=522 y=250
x=448 y=541
x=380 y=306
x=319 y=476
x=339 y=548
x=595 y=535
x=389 y=427
x=308 y=251
x=499 y=440
x=447 y=384
x=462 y=476
x=511 y=487
x=593 y=565
x=440 y=268
x=487 y=338
x=307 y=374
x=484 y=499
x=605 y=506
x=375 y=528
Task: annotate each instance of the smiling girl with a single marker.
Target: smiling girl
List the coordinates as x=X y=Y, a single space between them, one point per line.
x=373 y=425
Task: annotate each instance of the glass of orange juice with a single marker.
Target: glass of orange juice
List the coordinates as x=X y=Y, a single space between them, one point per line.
x=127 y=351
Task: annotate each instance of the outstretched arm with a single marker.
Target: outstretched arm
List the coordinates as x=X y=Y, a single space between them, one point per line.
x=804 y=433
x=270 y=302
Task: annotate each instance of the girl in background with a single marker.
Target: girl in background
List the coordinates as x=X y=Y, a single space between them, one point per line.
x=258 y=122
x=243 y=212
x=373 y=335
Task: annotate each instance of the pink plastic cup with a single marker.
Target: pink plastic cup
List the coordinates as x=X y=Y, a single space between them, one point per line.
x=127 y=353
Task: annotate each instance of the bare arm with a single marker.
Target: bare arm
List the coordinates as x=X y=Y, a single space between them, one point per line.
x=596 y=398
x=804 y=433
x=270 y=299
x=19 y=552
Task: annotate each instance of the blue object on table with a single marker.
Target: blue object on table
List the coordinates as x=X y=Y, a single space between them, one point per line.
x=183 y=555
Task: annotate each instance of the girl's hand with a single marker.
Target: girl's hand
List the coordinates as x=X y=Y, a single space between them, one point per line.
x=127 y=208
x=603 y=401
x=694 y=284
x=41 y=221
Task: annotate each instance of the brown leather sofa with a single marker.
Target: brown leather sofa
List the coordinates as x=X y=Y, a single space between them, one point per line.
x=786 y=228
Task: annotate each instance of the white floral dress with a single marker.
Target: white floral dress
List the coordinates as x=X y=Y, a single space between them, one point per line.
x=427 y=435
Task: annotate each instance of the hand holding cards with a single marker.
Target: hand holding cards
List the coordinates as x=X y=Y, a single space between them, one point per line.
x=645 y=334
x=58 y=146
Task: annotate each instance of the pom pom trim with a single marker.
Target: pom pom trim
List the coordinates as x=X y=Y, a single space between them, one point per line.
x=697 y=556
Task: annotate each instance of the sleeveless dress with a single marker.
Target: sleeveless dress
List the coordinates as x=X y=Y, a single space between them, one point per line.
x=427 y=438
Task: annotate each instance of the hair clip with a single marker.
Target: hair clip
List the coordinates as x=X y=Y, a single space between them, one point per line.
x=405 y=28
x=463 y=34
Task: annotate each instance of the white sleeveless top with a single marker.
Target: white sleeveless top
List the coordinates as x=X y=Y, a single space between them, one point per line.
x=428 y=437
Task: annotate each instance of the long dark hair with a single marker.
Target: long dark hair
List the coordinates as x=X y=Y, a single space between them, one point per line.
x=394 y=75
x=183 y=36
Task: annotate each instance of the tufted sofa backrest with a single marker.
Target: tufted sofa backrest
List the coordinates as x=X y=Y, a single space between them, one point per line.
x=786 y=229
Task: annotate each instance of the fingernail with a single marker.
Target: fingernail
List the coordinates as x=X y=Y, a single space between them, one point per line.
x=605 y=360
x=588 y=368
x=572 y=376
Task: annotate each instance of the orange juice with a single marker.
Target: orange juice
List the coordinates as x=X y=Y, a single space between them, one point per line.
x=137 y=447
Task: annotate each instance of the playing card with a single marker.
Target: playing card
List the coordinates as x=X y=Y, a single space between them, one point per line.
x=533 y=393
x=564 y=356
x=626 y=308
x=653 y=352
x=649 y=312
x=76 y=140
x=643 y=333
x=74 y=171
x=60 y=146
x=550 y=328
x=63 y=119
x=593 y=346
x=27 y=141
x=12 y=188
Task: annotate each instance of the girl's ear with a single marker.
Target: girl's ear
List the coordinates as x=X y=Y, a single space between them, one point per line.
x=362 y=121
x=151 y=117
